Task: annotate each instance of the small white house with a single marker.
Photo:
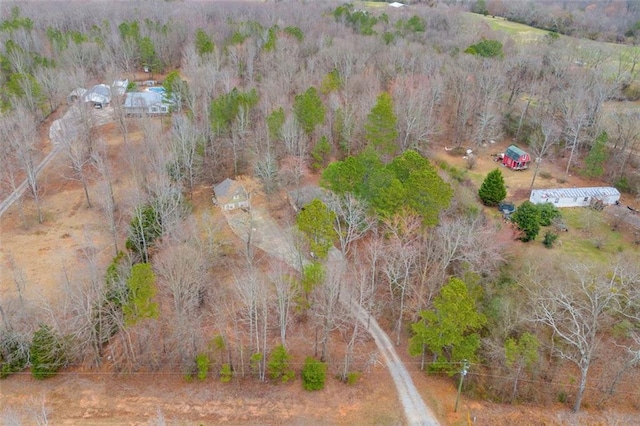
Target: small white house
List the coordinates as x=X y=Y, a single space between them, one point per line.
x=575 y=197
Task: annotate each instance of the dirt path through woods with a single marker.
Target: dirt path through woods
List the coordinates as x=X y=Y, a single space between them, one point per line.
x=265 y=233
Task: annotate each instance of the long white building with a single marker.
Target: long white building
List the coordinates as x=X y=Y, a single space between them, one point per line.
x=575 y=197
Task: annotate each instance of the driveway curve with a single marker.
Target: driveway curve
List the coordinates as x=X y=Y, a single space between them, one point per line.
x=267 y=235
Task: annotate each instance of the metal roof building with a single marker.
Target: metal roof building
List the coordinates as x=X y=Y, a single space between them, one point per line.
x=99 y=95
x=575 y=197
x=146 y=103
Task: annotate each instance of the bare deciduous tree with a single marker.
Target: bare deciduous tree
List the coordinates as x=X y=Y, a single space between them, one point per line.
x=360 y=294
x=184 y=145
x=51 y=82
x=106 y=197
x=22 y=126
x=489 y=83
x=286 y=291
x=460 y=81
x=78 y=151
x=84 y=314
x=625 y=136
x=181 y=269
x=326 y=307
x=9 y=165
x=416 y=104
x=400 y=260
x=351 y=220
x=542 y=141
x=254 y=295
x=575 y=306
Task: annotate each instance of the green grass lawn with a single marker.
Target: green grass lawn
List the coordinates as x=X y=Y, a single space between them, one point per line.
x=373 y=3
x=521 y=32
x=585 y=50
x=590 y=236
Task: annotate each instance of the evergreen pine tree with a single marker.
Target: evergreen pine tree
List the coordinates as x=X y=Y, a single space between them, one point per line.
x=594 y=161
x=527 y=217
x=381 y=131
x=320 y=152
x=278 y=364
x=309 y=110
x=315 y=221
x=47 y=354
x=204 y=44
x=313 y=374
x=493 y=190
x=450 y=329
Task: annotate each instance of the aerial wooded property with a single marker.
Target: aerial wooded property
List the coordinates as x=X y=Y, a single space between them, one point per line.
x=291 y=212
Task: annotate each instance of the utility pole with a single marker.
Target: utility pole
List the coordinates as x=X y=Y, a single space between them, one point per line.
x=465 y=368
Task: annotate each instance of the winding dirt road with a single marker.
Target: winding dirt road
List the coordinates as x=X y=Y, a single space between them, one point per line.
x=268 y=236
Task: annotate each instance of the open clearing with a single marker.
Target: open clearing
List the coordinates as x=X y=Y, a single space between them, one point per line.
x=589 y=231
x=523 y=33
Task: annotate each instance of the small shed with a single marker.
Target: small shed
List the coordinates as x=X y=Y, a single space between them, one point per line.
x=515 y=158
x=230 y=194
x=575 y=197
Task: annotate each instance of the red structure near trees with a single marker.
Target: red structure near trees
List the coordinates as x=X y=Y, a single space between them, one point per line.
x=515 y=158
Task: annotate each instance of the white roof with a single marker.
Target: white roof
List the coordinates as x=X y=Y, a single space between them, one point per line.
x=120 y=86
x=100 y=93
x=604 y=191
x=396 y=4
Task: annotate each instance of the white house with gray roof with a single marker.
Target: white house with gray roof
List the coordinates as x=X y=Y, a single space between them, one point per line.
x=575 y=197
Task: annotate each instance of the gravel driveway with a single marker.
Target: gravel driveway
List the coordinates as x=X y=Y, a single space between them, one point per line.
x=267 y=235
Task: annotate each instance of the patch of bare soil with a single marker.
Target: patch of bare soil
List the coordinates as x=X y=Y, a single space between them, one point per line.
x=37 y=258
x=107 y=399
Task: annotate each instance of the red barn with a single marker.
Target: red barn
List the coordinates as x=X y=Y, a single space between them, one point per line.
x=515 y=158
